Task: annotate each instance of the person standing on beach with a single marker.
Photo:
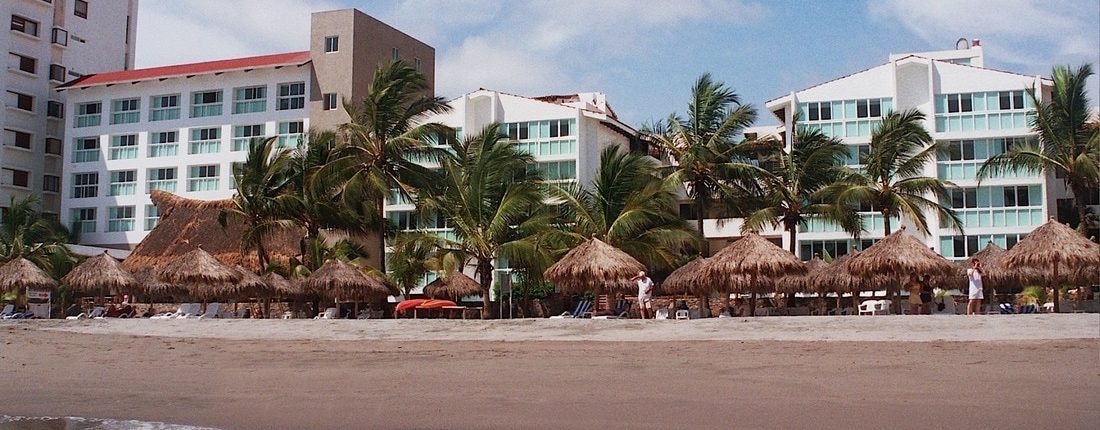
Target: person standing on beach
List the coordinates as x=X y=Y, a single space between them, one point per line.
x=645 y=293
x=915 y=303
x=974 y=273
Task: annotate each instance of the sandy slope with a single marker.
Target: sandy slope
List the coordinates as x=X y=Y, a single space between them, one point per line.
x=1022 y=372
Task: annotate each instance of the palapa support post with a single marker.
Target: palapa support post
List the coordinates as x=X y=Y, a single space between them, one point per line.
x=1054 y=287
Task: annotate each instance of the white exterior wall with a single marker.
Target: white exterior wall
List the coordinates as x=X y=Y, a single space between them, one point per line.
x=101 y=42
x=144 y=90
x=915 y=82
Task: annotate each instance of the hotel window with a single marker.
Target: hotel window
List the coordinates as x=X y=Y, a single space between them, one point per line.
x=17 y=178
x=85 y=185
x=250 y=99
x=123 y=147
x=83 y=220
x=20 y=139
x=53 y=146
x=243 y=135
x=120 y=218
x=163 y=108
x=290 y=133
x=868 y=108
x=205 y=141
x=55 y=109
x=125 y=111
x=404 y=220
x=23 y=63
x=292 y=95
x=24 y=25
x=123 y=183
x=22 y=101
x=59 y=36
x=206 y=103
x=51 y=183
x=960 y=103
x=152 y=215
x=81 y=9
x=330 y=101
x=203 y=178
x=57 y=72
x=556 y=170
x=87 y=114
x=395 y=54
x=1011 y=100
x=332 y=43
x=85 y=149
x=163 y=144
x=819 y=112
x=160 y=178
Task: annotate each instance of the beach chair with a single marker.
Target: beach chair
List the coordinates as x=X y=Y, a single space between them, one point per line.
x=190 y=310
x=1006 y=309
x=867 y=307
x=165 y=315
x=213 y=310
x=683 y=314
x=662 y=314
x=583 y=307
x=328 y=314
x=98 y=312
x=1029 y=308
x=8 y=312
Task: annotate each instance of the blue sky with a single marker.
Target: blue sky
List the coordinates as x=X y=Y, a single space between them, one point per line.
x=645 y=54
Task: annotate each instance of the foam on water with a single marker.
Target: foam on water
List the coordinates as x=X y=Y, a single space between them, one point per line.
x=79 y=423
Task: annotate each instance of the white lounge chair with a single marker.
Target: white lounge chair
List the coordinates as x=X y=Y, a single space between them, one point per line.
x=662 y=314
x=190 y=310
x=328 y=314
x=98 y=312
x=164 y=315
x=213 y=310
x=8 y=312
x=683 y=314
x=583 y=308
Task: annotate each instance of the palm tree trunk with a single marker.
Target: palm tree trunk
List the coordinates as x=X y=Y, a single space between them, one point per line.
x=485 y=273
x=794 y=240
x=380 y=206
x=886 y=223
x=1079 y=193
x=261 y=255
x=704 y=300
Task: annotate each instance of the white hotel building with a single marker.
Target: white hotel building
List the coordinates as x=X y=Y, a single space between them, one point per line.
x=181 y=128
x=977 y=111
x=48 y=43
x=564 y=133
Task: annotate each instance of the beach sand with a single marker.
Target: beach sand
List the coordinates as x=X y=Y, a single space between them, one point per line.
x=1023 y=371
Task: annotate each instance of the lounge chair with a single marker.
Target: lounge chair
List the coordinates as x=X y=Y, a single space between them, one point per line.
x=874 y=307
x=683 y=314
x=1029 y=308
x=8 y=312
x=328 y=314
x=190 y=310
x=213 y=310
x=583 y=308
x=621 y=311
x=164 y=315
x=1007 y=309
x=662 y=314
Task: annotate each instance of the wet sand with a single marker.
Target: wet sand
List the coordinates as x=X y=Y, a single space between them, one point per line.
x=350 y=374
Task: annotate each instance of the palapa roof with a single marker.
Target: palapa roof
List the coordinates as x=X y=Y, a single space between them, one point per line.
x=898 y=255
x=201 y=274
x=339 y=279
x=594 y=266
x=187 y=224
x=22 y=273
x=687 y=279
x=251 y=284
x=754 y=259
x=456 y=284
x=1053 y=243
x=98 y=273
x=280 y=285
x=801 y=283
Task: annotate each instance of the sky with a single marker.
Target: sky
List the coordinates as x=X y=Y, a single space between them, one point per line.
x=645 y=55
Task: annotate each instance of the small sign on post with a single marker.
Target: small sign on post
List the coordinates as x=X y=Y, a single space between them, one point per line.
x=39 y=302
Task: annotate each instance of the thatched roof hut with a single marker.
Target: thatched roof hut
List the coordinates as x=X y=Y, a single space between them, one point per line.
x=1057 y=255
x=339 y=279
x=20 y=273
x=454 y=285
x=801 y=283
x=751 y=264
x=687 y=279
x=201 y=274
x=250 y=284
x=282 y=287
x=100 y=273
x=187 y=224
x=898 y=255
x=594 y=266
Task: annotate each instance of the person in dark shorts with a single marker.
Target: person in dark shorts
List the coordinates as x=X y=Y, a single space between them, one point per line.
x=926 y=297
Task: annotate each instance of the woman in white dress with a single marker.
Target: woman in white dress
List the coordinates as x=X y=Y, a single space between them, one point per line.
x=974 y=273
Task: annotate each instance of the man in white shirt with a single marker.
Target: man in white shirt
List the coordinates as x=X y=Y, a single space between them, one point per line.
x=645 y=293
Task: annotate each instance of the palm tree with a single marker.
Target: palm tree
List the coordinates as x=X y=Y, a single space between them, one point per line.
x=815 y=162
x=410 y=260
x=628 y=206
x=25 y=232
x=709 y=161
x=1068 y=144
x=891 y=181
x=262 y=198
x=378 y=149
x=492 y=200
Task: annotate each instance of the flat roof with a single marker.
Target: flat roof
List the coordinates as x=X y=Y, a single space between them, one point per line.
x=190 y=69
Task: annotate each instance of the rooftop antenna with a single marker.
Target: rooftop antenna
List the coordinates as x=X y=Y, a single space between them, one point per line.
x=962 y=43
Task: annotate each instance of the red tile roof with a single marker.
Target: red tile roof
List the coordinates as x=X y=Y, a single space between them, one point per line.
x=206 y=67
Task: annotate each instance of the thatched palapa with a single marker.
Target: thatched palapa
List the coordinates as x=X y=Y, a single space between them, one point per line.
x=1058 y=254
x=594 y=266
x=187 y=224
x=687 y=279
x=899 y=255
x=201 y=274
x=453 y=286
x=338 y=279
x=21 y=273
x=100 y=274
x=751 y=264
x=801 y=283
x=282 y=287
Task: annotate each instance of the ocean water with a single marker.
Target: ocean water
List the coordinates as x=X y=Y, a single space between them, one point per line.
x=79 y=423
